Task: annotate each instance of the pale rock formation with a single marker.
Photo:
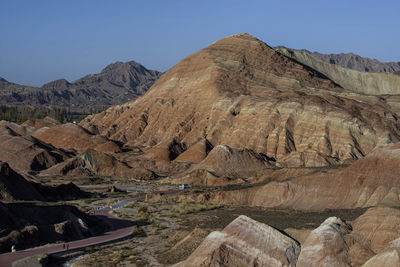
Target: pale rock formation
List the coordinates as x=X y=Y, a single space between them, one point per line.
x=357 y=81
x=245 y=242
x=390 y=256
x=326 y=245
x=377 y=227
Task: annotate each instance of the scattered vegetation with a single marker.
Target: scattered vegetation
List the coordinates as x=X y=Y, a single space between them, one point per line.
x=191 y=207
x=138 y=232
x=20 y=114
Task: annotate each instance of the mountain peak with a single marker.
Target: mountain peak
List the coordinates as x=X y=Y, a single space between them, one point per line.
x=60 y=84
x=118 y=65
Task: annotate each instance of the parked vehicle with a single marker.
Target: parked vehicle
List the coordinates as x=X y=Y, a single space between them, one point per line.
x=183 y=186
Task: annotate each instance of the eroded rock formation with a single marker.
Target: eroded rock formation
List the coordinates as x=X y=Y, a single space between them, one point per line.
x=326 y=245
x=74 y=138
x=367 y=182
x=245 y=242
x=241 y=93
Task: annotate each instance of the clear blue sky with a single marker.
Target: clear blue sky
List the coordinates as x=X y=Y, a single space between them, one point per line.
x=43 y=40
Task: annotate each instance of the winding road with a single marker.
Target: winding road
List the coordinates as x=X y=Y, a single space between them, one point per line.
x=119 y=232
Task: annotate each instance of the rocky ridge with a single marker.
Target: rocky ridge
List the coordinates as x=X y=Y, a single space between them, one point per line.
x=241 y=93
x=335 y=242
x=367 y=182
x=372 y=83
x=115 y=84
x=356 y=62
x=242 y=243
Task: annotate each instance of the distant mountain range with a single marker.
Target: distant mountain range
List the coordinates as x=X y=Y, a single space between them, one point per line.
x=351 y=61
x=355 y=62
x=115 y=84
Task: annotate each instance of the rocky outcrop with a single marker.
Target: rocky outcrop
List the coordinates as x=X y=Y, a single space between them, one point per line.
x=356 y=81
x=72 y=137
x=223 y=165
x=377 y=227
x=334 y=243
x=24 y=153
x=326 y=245
x=93 y=162
x=241 y=93
x=196 y=153
x=245 y=242
x=390 y=256
x=116 y=84
x=233 y=162
x=356 y=62
x=367 y=182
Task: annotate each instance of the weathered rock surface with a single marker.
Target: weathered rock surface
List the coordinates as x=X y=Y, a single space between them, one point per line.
x=241 y=93
x=357 y=81
x=326 y=245
x=196 y=153
x=116 y=84
x=74 y=138
x=390 y=256
x=93 y=162
x=245 y=242
x=223 y=165
x=24 y=153
x=377 y=227
x=188 y=242
x=233 y=162
x=367 y=182
x=356 y=62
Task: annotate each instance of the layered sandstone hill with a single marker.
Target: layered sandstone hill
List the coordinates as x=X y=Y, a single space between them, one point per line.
x=357 y=81
x=25 y=153
x=74 y=138
x=367 y=182
x=245 y=242
x=222 y=165
x=93 y=162
x=241 y=93
x=115 y=84
x=326 y=246
x=389 y=257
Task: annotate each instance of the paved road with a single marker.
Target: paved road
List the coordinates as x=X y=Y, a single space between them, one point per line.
x=7 y=259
